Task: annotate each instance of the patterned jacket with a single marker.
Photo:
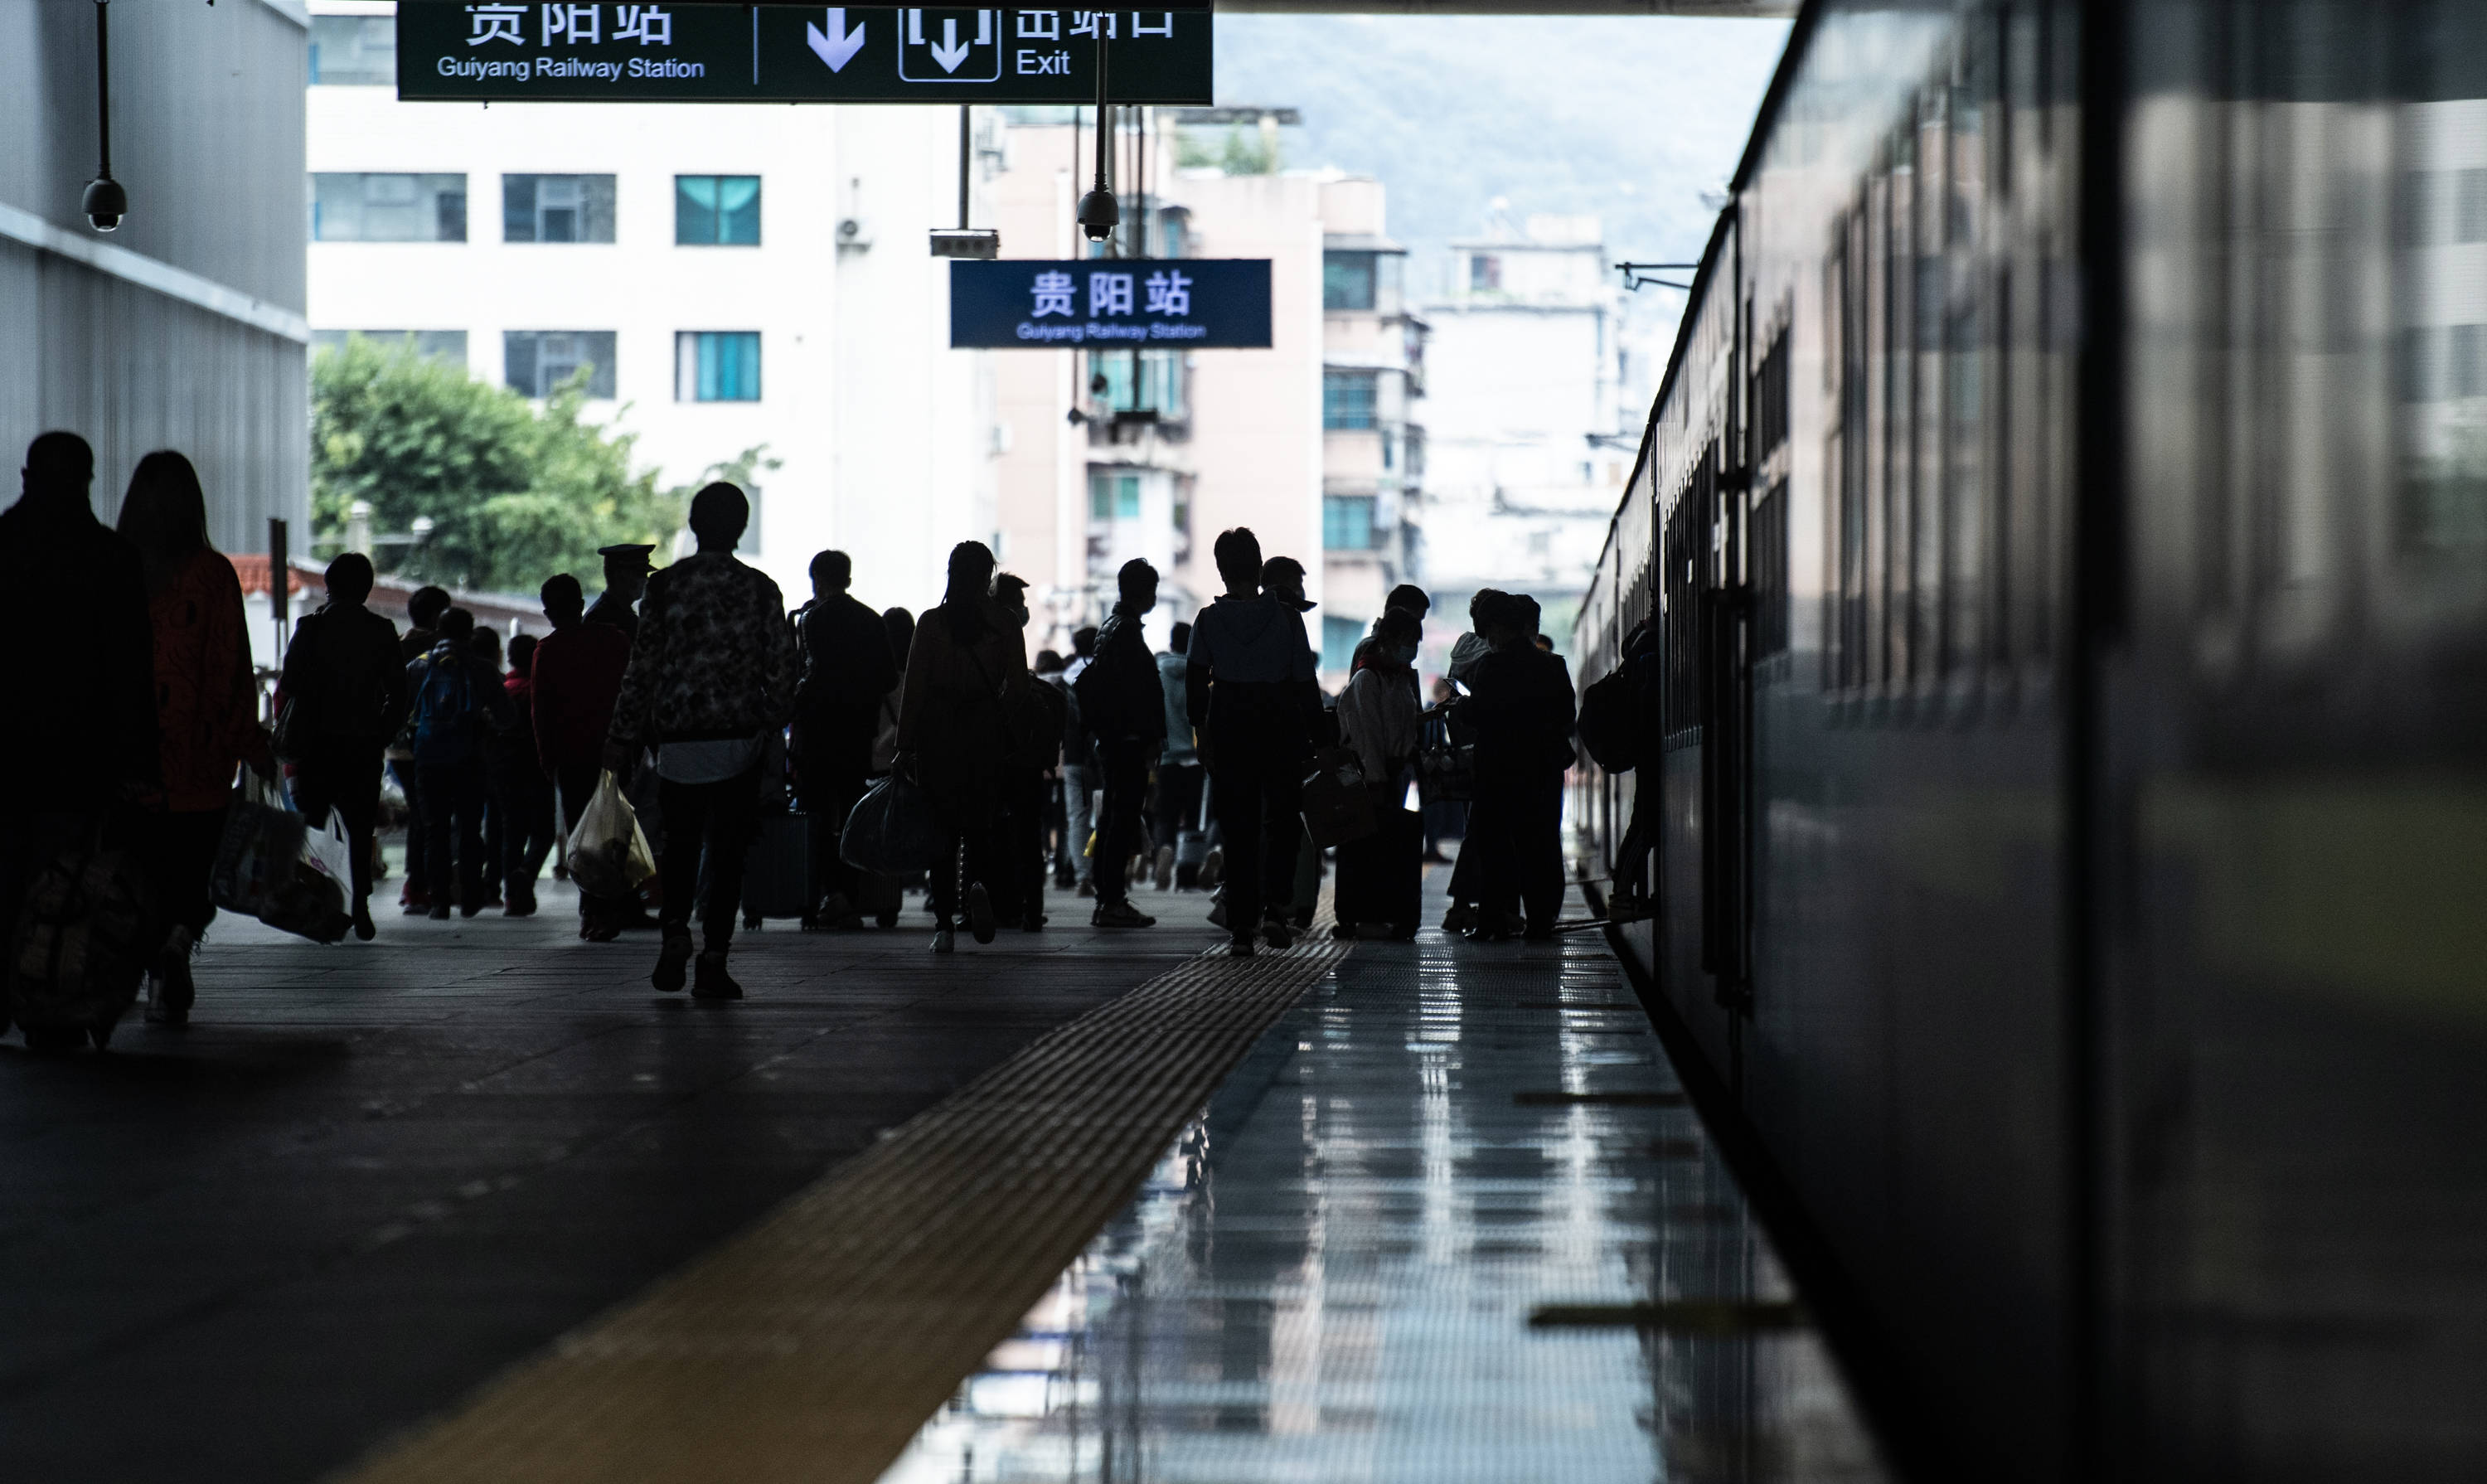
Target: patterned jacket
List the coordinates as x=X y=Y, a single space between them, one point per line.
x=714 y=657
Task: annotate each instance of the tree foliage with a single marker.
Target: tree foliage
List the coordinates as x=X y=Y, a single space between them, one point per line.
x=515 y=492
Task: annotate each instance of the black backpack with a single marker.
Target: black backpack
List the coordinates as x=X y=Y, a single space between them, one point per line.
x=1610 y=722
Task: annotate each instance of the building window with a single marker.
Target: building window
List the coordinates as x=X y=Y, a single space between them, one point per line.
x=388 y=207
x=1113 y=496
x=1347 y=280
x=1339 y=638
x=1161 y=381
x=716 y=366
x=428 y=344
x=716 y=210
x=1484 y=270
x=1174 y=233
x=535 y=363
x=1347 y=522
x=556 y=209
x=1348 y=399
x=356 y=52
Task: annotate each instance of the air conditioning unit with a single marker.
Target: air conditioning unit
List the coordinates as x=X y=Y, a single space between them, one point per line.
x=855 y=231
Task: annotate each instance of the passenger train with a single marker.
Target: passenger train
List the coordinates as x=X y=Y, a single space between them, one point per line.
x=2063 y=518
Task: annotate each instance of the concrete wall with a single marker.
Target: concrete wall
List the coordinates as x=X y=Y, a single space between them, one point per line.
x=184 y=329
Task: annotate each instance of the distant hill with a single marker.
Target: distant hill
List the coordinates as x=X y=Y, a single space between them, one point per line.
x=1631 y=119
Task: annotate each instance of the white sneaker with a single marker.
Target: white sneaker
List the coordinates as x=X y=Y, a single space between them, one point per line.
x=945 y=941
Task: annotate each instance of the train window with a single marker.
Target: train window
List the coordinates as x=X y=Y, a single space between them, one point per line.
x=1766 y=570
x=1771 y=399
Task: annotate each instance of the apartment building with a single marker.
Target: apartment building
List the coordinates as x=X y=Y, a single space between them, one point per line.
x=1535 y=364
x=1311 y=442
x=734 y=277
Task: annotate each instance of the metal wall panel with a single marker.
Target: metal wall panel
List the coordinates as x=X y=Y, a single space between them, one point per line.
x=206 y=113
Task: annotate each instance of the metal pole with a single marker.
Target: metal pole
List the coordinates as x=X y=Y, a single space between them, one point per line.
x=104 y=81
x=277 y=584
x=1104 y=115
x=963 y=111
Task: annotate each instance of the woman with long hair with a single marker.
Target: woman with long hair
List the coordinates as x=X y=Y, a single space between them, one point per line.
x=207 y=706
x=965 y=670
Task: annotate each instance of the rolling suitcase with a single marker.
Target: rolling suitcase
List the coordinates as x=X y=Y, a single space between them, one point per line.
x=778 y=874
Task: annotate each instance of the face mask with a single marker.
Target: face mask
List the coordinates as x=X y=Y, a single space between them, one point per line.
x=1406 y=654
x=1018 y=616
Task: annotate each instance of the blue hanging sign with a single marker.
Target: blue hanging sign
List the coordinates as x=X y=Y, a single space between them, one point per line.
x=1110 y=304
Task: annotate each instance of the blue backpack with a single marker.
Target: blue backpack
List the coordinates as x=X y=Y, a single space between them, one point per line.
x=445 y=709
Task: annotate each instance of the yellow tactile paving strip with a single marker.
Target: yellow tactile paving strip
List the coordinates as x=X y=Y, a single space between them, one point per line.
x=813 y=1346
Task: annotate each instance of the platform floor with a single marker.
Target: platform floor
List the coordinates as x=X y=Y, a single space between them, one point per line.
x=474 y=1202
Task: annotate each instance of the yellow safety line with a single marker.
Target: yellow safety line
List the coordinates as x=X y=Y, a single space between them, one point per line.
x=815 y=1345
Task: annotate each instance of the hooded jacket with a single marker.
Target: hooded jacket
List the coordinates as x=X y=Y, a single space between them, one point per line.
x=1245 y=642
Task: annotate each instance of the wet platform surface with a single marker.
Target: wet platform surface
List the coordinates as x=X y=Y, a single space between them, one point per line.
x=1450 y=1220
x=1435 y=1211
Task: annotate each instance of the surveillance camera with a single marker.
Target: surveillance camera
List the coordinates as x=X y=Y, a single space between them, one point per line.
x=106 y=202
x=1099 y=214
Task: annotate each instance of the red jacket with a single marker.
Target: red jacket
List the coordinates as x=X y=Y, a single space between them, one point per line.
x=577 y=676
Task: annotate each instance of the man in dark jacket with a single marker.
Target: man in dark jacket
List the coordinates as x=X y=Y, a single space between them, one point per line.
x=458 y=701
x=625 y=581
x=1123 y=703
x=713 y=670
x=578 y=675
x=345 y=686
x=1250 y=691
x=1520 y=705
x=82 y=739
x=845 y=669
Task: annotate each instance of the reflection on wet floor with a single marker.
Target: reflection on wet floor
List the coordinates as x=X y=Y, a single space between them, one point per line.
x=1450 y=1220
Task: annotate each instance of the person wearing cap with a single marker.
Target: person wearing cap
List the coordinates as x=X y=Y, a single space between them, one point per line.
x=1123 y=703
x=710 y=675
x=626 y=579
x=1251 y=696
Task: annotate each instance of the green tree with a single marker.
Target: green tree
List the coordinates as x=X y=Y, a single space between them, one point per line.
x=514 y=494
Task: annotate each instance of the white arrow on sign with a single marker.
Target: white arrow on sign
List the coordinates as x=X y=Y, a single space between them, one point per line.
x=837 y=45
x=951 y=51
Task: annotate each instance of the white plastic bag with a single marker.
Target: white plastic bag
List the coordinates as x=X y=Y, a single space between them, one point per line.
x=608 y=854
x=275 y=867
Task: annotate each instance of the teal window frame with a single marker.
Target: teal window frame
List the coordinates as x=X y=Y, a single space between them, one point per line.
x=716 y=366
x=716 y=210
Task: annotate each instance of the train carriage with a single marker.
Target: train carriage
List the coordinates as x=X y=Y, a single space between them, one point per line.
x=2065 y=511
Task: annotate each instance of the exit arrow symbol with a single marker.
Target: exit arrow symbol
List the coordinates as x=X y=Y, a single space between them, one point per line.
x=837 y=45
x=952 y=51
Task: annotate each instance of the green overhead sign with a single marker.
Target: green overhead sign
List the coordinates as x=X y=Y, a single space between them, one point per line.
x=694 y=53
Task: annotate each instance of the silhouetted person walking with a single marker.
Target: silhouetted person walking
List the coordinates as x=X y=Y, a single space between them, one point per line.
x=845 y=671
x=457 y=704
x=1017 y=883
x=519 y=785
x=1251 y=695
x=954 y=735
x=575 y=680
x=1122 y=703
x=82 y=739
x=206 y=707
x=713 y=671
x=1520 y=705
x=1178 y=820
x=1077 y=867
x=423 y=609
x=347 y=690
x=1379 y=721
